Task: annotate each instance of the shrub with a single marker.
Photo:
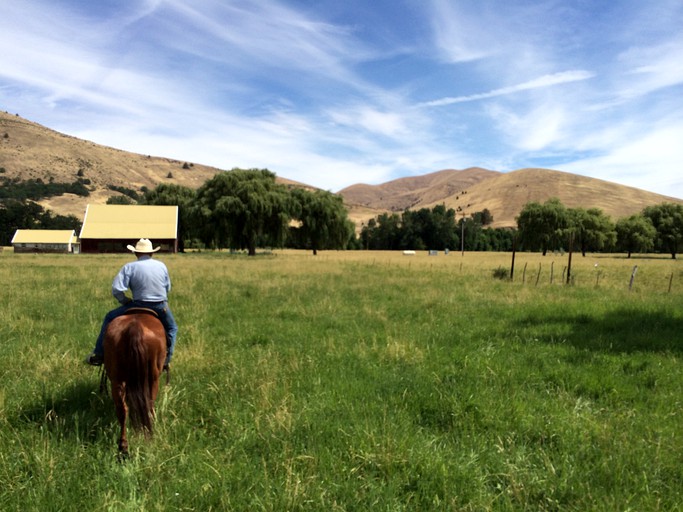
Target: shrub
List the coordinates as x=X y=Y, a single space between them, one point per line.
x=501 y=273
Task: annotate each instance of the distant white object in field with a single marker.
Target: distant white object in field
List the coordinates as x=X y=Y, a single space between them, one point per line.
x=408 y=253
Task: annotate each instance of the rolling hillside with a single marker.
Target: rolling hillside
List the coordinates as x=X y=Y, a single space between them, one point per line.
x=503 y=194
x=29 y=151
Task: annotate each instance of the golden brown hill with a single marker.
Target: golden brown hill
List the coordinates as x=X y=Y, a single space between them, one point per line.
x=365 y=202
x=30 y=151
x=503 y=194
x=406 y=193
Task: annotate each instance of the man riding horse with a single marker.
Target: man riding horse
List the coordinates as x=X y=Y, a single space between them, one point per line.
x=149 y=283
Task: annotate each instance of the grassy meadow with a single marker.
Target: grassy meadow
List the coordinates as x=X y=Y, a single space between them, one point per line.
x=354 y=381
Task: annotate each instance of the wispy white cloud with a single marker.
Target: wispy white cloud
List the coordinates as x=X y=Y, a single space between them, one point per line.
x=256 y=34
x=651 y=68
x=367 y=118
x=562 y=77
x=648 y=161
x=322 y=93
x=535 y=130
x=461 y=31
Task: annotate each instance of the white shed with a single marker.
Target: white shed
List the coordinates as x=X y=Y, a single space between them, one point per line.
x=45 y=240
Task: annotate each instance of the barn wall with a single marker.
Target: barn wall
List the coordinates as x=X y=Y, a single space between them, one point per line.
x=41 y=248
x=113 y=245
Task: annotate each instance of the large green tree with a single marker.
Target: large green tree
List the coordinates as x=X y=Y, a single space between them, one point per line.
x=635 y=234
x=322 y=220
x=411 y=230
x=414 y=229
x=436 y=229
x=667 y=218
x=442 y=230
x=242 y=207
x=382 y=233
x=431 y=229
x=170 y=194
x=543 y=226
x=593 y=230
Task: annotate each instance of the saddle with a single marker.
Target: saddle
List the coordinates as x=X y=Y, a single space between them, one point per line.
x=137 y=310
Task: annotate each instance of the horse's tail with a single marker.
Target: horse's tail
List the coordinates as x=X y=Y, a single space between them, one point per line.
x=138 y=388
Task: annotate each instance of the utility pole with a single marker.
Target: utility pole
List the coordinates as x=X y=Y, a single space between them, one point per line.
x=514 y=250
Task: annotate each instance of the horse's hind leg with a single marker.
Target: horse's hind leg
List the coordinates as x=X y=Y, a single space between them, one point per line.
x=118 y=392
x=153 y=390
x=155 y=373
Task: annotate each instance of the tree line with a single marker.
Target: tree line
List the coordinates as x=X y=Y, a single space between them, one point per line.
x=245 y=209
x=38 y=189
x=553 y=226
x=548 y=226
x=434 y=229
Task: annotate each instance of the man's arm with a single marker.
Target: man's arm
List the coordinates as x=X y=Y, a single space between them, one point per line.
x=120 y=285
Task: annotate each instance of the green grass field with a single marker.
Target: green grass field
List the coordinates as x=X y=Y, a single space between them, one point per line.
x=354 y=381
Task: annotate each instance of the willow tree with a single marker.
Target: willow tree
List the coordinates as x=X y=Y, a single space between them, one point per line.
x=594 y=230
x=635 y=234
x=241 y=207
x=543 y=226
x=322 y=220
x=667 y=218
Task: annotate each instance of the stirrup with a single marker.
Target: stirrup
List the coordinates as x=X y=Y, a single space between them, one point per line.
x=94 y=360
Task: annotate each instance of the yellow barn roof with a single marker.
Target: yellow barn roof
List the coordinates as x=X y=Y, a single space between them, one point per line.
x=43 y=236
x=130 y=221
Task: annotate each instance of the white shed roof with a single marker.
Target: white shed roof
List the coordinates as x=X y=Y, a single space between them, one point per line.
x=44 y=236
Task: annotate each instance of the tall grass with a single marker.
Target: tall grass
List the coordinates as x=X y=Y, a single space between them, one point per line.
x=354 y=381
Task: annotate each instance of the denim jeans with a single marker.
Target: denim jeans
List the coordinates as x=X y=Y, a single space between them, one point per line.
x=165 y=315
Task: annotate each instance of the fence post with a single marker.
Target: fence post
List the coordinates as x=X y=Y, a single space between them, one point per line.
x=538 y=276
x=671 y=279
x=514 y=249
x=569 y=262
x=633 y=276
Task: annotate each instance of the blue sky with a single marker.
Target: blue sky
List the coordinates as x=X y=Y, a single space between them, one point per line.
x=333 y=93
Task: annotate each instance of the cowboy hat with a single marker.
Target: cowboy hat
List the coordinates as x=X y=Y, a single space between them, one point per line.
x=143 y=246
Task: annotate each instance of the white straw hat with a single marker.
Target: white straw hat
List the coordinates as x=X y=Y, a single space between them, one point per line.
x=143 y=246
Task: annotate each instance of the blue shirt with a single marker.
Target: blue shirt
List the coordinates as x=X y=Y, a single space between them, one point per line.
x=146 y=278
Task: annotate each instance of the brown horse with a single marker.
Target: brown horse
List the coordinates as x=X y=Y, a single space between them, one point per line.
x=134 y=354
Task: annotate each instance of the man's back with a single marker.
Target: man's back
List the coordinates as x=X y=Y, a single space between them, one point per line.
x=147 y=279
